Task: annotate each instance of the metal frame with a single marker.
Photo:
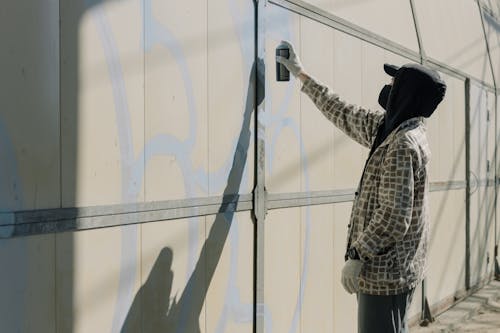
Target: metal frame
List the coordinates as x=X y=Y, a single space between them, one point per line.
x=492 y=67
x=260 y=199
x=423 y=56
x=34 y=222
x=321 y=16
x=468 y=184
x=27 y=223
x=484 y=10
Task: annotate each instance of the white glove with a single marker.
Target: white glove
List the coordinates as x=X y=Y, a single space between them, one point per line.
x=293 y=62
x=350 y=275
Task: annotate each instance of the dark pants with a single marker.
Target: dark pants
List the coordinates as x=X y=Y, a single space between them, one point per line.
x=383 y=314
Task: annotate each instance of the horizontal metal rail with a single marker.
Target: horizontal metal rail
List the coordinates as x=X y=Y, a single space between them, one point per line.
x=25 y=223
x=36 y=222
x=299 y=199
x=321 y=16
x=446 y=186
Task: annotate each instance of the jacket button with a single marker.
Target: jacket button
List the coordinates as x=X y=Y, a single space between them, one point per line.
x=356 y=193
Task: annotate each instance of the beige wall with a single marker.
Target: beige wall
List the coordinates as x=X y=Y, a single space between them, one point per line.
x=141 y=101
x=452 y=33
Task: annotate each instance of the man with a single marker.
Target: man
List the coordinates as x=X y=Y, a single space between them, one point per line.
x=388 y=230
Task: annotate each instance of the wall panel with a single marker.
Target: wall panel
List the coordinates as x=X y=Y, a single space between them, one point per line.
x=27 y=284
x=230 y=92
x=416 y=304
x=348 y=81
x=29 y=159
x=103 y=284
x=282 y=114
x=176 y=117
x=372 y=15
x=446 y=134
x=497 y=208
x=102 y=102
x=446 y=254
x=481 y=196
x=492 y=29
x=490 y=209
x=173 y=288
x=317 y=133
x=452 y=33
x=317 y=268
x=229 y=273
x=282 y=270
x=29 y=106
x=345 y=306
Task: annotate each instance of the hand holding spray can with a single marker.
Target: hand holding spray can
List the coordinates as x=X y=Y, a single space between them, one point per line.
x=282 y=74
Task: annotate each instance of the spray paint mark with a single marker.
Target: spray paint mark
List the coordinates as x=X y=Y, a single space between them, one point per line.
x=133 y=169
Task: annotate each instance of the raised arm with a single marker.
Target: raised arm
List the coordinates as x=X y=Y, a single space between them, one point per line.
x=358 y=123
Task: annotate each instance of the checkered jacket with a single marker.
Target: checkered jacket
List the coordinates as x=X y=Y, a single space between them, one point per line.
x=389 y=221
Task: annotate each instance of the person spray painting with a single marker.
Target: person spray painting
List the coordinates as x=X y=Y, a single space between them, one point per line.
x=389 y=226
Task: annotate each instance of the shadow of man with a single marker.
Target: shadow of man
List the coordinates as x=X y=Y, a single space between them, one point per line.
x=182 y=315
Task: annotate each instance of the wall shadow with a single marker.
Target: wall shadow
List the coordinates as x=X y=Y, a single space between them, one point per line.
x=182 y=315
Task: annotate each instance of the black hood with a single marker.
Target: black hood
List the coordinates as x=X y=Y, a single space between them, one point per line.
x=416 y=92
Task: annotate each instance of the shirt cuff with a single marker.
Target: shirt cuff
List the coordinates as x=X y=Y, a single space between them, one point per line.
x=307 y=85
x=364 y=252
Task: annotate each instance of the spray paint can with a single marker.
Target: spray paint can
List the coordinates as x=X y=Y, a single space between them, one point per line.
x=282 y=74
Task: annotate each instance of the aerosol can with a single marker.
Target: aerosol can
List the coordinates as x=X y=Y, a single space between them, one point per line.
x=282 y=74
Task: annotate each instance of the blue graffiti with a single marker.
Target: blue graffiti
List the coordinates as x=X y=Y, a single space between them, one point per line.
x=164 y=144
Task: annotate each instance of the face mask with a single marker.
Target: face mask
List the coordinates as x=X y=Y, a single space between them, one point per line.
x=383 y=97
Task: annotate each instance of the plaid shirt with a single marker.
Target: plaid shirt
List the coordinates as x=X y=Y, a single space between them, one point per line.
x=389 y=225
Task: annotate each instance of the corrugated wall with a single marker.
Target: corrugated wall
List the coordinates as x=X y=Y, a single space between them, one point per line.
x=128 y=159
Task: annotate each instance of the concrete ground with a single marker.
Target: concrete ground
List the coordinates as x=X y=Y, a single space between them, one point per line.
x=478 y=313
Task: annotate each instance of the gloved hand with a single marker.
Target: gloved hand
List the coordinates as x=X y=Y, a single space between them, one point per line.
x=293 y=62
x=350 y=275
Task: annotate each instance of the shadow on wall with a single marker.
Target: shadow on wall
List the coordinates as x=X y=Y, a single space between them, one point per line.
x=182 y=315
x=157 y=290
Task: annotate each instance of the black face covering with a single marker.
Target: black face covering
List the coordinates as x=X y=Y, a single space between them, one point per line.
x=383 y=97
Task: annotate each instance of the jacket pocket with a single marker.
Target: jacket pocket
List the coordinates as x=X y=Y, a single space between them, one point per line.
x=382 y=268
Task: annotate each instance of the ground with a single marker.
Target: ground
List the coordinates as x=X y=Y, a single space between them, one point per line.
x=477 y=313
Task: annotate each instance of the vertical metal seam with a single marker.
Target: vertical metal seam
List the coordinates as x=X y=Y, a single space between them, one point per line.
x=60 y=113
x=487 y=45
x=495 y=252
x=256 y=166
x=300 y=209
x=144 y=95
x=488 y=50
x=207 y=98
x=467 y=182
x=423 y=61
x=423 y=56
x=208 y=101
x=144 y=36
x=260 y=200
x=60 y=167
x=144 y=183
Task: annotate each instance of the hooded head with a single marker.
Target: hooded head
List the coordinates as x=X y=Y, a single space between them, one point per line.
x=415 y=92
